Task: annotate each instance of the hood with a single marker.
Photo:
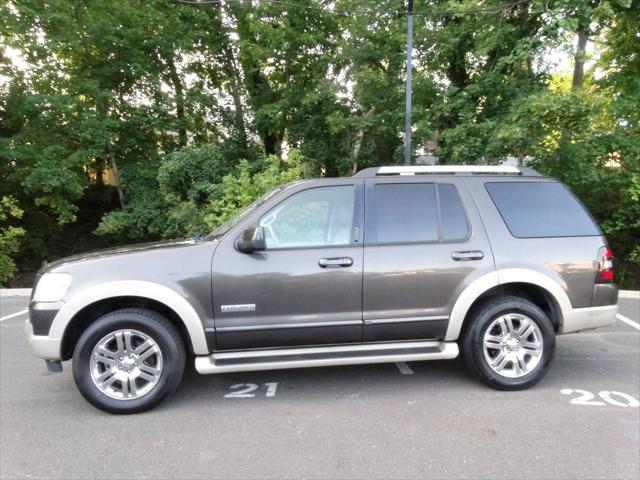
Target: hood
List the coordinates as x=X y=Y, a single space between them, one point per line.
x=123 y=250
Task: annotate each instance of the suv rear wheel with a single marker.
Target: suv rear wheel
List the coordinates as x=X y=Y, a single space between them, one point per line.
x=128 y=361
x=509 y=344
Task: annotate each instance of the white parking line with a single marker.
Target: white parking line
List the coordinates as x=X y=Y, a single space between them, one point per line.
x=628 y=321
x=404 y=368
x=13 y=315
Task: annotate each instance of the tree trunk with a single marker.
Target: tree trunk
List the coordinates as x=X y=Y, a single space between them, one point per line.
x=273 y=143
x=578 y=69
x=358 y=145
x=456 y=62
x=235 y=80
x=100 y=166
x=259 y=90
x=232 y=71
x=179 y=89
x=116 y=173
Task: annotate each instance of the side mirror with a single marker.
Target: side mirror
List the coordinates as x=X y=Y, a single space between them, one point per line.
x=252 y=240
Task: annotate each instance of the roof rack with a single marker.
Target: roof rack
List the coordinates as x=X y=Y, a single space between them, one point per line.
x=447 y=170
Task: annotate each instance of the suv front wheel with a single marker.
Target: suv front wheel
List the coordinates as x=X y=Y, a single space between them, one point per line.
x=509 y=344
x=128 y=361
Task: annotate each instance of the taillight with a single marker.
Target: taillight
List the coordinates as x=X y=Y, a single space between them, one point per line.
x=605 y=266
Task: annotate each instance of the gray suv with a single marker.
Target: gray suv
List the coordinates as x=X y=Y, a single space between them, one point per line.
x=392 y=264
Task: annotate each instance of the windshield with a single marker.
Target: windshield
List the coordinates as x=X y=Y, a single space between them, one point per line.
x=237 y=218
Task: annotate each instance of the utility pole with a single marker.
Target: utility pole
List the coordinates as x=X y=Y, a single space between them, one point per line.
x=407 y=115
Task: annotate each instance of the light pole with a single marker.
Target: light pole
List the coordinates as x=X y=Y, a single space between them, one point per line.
x=407 y=115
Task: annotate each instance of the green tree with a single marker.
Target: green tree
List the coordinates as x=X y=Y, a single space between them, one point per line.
x=160 y=119
x=9 y=237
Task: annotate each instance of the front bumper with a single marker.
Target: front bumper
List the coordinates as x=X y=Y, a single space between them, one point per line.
x=579 y=319
x=42 y=345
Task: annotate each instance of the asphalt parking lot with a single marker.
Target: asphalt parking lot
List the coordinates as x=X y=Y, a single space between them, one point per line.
x=421 y=420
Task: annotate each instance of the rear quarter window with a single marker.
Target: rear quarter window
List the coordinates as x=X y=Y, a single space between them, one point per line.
x=453 y=216
x=541 y=209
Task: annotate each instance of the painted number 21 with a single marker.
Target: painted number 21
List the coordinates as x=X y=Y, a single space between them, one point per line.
x=246 y=390
x=617 y=399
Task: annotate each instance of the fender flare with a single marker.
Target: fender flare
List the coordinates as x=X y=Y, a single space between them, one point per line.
x=134 y=288
x=500 y=277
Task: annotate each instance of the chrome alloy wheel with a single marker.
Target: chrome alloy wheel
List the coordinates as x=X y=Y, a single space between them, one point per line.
x=513 y=345
x=126 y=364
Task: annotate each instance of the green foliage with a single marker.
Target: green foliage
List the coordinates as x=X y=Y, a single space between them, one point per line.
x=191 y=174
x=144 y=217
x=193 y=105
x=9 y=237
x=195 y=194
x=241 y=188
x=577 y=137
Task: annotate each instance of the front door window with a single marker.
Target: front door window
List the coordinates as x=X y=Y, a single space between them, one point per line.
x=318 y=217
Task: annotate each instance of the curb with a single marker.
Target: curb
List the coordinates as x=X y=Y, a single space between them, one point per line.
x=15 y=292
x=629 y=294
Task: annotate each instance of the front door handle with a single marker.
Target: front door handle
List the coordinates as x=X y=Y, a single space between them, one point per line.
x=467 y=255
x=335 y=262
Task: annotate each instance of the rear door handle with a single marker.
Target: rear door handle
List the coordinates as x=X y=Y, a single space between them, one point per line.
x=335 y=262
x=467 y=255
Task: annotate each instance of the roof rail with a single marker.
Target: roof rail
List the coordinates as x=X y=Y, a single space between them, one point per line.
x=446 y=169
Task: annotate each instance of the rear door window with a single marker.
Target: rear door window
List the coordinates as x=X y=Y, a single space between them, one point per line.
x=415 y=213
x=406 y=213
x=541 y=209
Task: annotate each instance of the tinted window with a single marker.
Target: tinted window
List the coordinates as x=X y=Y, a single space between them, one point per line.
x=312 y=218
x=454 y=220
x=405 y=213
x=541 y=209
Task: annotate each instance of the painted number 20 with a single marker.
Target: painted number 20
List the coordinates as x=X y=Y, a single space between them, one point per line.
x=587 y=398
x=245 y=390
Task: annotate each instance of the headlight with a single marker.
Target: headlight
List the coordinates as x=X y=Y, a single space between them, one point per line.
x=51 y=287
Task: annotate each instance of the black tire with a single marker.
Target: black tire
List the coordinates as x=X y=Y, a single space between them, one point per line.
x=148 y=322
x=472 y=342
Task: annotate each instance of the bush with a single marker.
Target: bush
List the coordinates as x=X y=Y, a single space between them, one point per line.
x=194 y=193
x=9 y=237
x=241 y=188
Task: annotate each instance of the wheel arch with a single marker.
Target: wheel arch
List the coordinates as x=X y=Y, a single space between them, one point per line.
x=89 y=314
x=89 y=305
x=534 y=286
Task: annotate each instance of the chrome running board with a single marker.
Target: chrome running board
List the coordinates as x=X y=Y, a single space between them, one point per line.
x=224 y=362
